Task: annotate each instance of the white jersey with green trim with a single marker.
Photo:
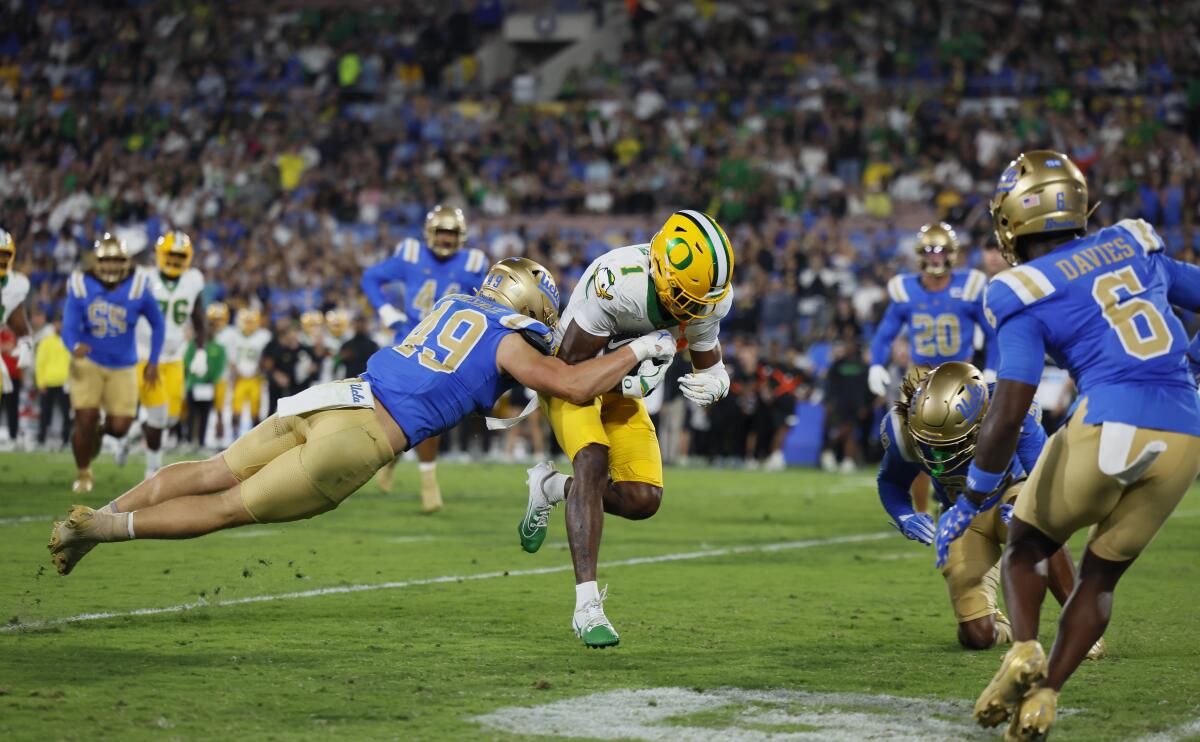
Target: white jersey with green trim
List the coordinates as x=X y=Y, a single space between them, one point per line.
x=248 y=352
x=615 y=298
x=177 y=299
x=227 y=339
x=14 y=287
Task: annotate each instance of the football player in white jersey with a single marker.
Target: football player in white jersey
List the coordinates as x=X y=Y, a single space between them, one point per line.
x=246 y=364
x=337 y=322
x=679 y=281
x=14 y=287
x=176 y=286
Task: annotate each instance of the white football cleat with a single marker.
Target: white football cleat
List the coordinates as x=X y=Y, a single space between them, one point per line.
x=532 y=528
x=592 y=626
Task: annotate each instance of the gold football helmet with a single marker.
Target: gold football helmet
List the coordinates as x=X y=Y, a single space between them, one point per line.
x=338 y=322
x=691 y=264
x=218 y=315
x=111 y=261
x=8 y=252
x=524 y=286
x=945 y=409
x=1040 y=191
x=173 y=252
x=445 y=230
x=311 y=321
x=249 y=320
x=937 y=238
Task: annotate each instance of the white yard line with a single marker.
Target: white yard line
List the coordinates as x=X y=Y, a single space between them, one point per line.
x=12 y=520
x=1189 y=730
x=343 y=589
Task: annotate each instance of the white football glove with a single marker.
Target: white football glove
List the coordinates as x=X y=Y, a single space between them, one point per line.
x=389 y=315
x=645 y=378
x=24 y=352
x=658 y=344
x=878 y=380
x=705 y=386
x=199 y=364
x=989 y=375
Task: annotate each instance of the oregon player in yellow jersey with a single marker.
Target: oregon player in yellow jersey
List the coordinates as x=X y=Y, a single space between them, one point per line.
x=176 y=286
x=14 y=287
x=681 y=282
x=245 y=363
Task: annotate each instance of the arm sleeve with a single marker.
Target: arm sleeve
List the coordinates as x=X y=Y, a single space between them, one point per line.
x=1185 y=284
x=991 y=348
x=378 y=275
x=895 y=477
x=885 y=334
x=704 y=334
x=1032 y=439
x=1021 y=342
x=158 y=328
x=72 y=322
x=216 y=363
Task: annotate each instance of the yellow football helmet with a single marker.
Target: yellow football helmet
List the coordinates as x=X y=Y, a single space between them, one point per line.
x=691 y=264
x=1040 y=191
x=944 y=411
x=173 y=251
x=218 y=315
x=111 y=261
x=312 y=321
x=937 y=237
x=524 y=286
x=439 y=221
x=249 y=320
x=338 y=322
x=8 y=252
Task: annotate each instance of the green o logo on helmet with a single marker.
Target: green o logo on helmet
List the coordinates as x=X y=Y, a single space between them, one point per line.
x=687 y=257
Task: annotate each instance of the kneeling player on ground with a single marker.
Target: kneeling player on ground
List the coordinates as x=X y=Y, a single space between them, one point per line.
x=681 y=282
x=331 y=439
x=932 y=429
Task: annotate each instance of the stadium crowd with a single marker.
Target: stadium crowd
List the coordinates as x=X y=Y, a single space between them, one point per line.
x=298 y=146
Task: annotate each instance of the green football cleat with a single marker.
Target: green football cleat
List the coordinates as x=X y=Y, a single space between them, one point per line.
x=532 y=528
x=592 y=626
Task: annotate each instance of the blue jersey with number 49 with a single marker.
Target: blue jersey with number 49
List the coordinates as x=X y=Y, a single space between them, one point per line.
x=445 y=368
x=1101 y=306
x=941 y=324
x=425 y=279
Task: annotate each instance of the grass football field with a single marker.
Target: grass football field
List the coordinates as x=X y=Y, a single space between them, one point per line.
x=753 y=607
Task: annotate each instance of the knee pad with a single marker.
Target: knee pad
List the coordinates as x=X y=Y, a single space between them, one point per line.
x=156 y=416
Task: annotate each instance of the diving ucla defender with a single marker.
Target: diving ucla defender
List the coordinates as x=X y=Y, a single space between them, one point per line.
x=14 y=287
x=1100 y=305
x=932 y=429
x=329 y=440
x=941 y=307
x=427 y=272
x=102 y=310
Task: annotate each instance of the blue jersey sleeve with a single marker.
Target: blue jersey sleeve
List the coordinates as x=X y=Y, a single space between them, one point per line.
x=1184 y=281
x=895 y=475
x=72 y=332
x=1032 y=439
x=158 y=329
x=893 y=319
x=377 y=276
x=1022 y=345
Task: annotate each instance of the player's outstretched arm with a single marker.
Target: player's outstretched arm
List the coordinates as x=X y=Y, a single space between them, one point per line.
x=581 y=382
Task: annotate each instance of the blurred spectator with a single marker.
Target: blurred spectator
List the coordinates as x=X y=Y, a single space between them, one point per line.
x=847 y=408
x=355 y=352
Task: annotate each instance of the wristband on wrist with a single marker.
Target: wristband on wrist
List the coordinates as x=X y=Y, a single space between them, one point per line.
x=979 y=480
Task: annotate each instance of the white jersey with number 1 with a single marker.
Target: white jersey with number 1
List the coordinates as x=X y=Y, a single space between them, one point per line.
x=615 y=298
x=14 y=287
x=177 y=299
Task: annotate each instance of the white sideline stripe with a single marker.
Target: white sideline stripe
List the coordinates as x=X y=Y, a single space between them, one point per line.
x=15 y=519
x=343 y=589
x=1187 y=730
